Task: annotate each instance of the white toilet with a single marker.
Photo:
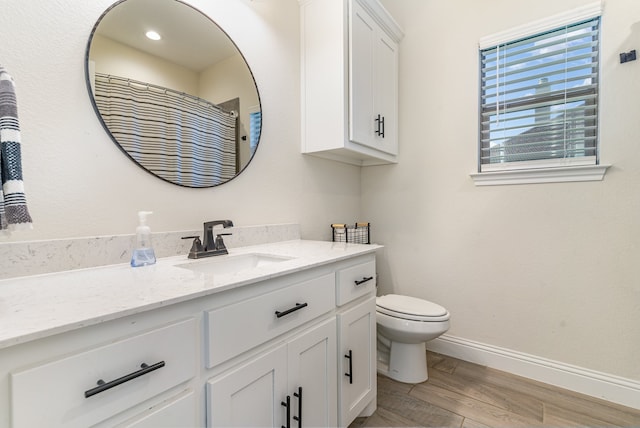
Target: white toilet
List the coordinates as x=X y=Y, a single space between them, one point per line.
x=404 y=325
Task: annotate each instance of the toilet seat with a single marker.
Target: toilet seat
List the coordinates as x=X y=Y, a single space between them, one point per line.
x=411 y=308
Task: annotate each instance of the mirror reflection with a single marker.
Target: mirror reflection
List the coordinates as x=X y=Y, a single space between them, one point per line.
x=173 y=91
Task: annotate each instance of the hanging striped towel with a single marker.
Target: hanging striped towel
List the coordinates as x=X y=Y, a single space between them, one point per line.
x=13 y=203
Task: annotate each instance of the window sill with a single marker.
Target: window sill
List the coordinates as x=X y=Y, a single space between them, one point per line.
x=541 y=175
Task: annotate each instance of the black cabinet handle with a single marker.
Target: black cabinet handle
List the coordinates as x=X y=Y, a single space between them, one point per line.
x=379 y=126
x=287 y=405
x=103 y=386
x=363 y=280
x=297 y=307
x=350 y=374
x=299 y=417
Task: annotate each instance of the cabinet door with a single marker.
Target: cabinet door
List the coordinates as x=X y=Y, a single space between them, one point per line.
x=357 y=346
x=373 y=83
x=312 y=377
x=250 y=395
x=361 y=79
x=385 y=99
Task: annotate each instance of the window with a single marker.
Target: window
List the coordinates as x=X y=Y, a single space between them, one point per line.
x=539 y=101
x=255 y=127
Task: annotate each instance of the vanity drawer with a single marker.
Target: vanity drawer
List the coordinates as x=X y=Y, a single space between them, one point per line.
x=355 y=281
x=241 y=326
x=61 y=392
x=181 y=411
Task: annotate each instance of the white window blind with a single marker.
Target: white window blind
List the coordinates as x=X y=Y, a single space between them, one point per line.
x=539 y=100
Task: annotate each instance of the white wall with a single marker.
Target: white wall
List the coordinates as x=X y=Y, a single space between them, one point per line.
x=78 y=183
x=551 y=270
x=228 y=79
x=117 y=59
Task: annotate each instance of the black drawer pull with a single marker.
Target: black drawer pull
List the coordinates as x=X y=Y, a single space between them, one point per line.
x=299 y=417
x=363 y=280
x=297 y=307
x=287 y=405
x=349 y=356
x=103 y=386
x=379 y=126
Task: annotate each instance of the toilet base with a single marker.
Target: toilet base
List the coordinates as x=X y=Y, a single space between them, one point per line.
x=406 y=362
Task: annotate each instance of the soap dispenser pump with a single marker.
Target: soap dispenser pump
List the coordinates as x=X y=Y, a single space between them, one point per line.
x=143 y=253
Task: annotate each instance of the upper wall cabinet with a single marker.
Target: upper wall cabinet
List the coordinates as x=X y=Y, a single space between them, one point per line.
x=349 y=81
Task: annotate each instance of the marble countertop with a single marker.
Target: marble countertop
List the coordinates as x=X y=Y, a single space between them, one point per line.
x=38 y=306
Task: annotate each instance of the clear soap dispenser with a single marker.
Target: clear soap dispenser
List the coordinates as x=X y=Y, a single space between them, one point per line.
x=143 y=253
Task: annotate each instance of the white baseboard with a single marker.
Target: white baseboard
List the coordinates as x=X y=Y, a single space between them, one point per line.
x=596 y=384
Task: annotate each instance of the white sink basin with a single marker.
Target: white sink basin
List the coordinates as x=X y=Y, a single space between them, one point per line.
x=221 y=265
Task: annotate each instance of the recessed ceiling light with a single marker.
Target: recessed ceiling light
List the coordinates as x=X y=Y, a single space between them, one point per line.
x=153 y=35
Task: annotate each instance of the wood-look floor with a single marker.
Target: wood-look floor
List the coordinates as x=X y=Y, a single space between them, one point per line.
x=465 y=395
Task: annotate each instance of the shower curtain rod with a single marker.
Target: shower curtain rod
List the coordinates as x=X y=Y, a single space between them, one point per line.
x=162 y=88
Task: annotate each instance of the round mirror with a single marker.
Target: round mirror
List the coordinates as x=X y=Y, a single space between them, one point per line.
x=173 y=91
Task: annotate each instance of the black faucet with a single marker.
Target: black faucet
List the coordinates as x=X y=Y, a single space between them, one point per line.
x=209 y=247
x=209 y=244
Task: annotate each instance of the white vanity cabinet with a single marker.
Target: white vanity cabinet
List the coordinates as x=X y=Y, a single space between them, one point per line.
x=293 y=384
x=349 y=81
x=322 y=376
x=268 y=352
x=357 y=341
x=357 y=389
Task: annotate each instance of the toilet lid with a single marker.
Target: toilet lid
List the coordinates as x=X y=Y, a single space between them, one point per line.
x=411 y=308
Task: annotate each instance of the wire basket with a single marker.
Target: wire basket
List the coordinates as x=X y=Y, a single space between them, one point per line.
x=359 y=233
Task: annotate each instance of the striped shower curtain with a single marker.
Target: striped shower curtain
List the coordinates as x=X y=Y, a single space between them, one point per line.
x=178 y=137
